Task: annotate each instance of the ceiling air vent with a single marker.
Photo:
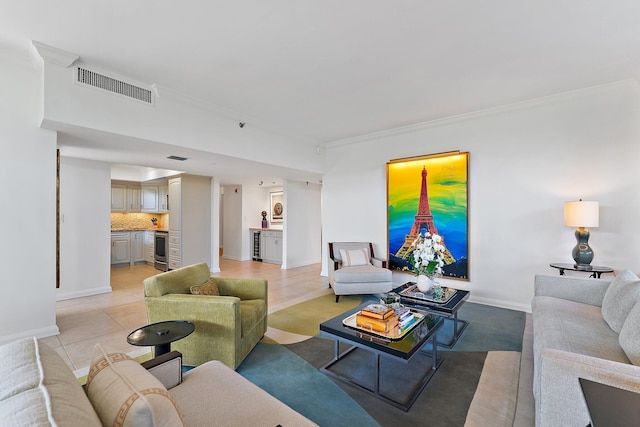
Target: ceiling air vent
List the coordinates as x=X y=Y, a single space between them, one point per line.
x=120 y=87
x=182 y=159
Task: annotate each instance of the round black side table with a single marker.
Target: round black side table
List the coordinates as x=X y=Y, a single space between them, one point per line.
x=161 y=335
x=595 y=270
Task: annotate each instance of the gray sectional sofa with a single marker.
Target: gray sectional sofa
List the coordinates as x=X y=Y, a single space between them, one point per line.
x=583 y=328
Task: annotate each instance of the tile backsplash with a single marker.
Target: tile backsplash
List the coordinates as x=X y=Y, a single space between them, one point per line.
x=138 y=220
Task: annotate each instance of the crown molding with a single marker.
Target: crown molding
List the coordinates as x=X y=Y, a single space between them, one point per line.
x=54 y=55
x=479 y=113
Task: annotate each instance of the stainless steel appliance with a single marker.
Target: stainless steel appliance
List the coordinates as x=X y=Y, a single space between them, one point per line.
x=161 y=250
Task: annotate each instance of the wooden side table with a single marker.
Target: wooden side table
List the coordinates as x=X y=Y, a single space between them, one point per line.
x=595 y=270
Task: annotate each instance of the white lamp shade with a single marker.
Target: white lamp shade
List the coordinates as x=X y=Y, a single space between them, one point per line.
x=581 y=214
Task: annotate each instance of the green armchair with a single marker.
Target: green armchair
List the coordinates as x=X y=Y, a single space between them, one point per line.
x=227 y=326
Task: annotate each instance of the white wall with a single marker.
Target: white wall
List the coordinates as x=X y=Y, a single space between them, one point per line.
x=233 y=223
x=525 y=161
x=85 y=234
x=302 y=234
x=27 y=173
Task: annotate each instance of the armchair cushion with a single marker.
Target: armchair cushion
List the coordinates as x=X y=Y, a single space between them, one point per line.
x=124 y=393
x=363 y=274
x=620 y=298
x=354 y=257
x=208 y=288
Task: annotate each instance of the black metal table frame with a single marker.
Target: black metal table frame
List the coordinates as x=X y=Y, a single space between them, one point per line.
x=432 y=309
x=413 y=394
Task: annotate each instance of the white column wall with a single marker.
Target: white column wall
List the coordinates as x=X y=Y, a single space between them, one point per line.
x=27 y=173
x=85 y=232
x=525 y=161
x=302 y=232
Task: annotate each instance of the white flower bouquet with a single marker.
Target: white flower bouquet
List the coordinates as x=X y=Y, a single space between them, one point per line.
x=428 y=256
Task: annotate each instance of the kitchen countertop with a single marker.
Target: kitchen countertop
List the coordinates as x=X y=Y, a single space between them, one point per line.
x=121 y=230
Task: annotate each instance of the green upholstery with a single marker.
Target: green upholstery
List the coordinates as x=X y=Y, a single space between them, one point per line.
x=227 y=326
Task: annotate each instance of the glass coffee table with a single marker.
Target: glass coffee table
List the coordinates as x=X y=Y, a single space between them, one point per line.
x=401 y=357
x=447 y=308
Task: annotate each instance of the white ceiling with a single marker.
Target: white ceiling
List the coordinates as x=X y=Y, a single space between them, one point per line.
x=334 y=69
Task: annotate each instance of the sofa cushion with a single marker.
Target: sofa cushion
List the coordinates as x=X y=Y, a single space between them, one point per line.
x=208 y=288
x=620 y=298
x=363 y=274
x=630 y=335
x=38 y=388
x=354 y=257
x=124 y=393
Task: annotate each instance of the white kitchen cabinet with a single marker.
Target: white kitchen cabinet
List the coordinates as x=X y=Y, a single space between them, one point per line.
x=134 y=196
x=163 y=199
x=137 y=246
x=118 y=198
x=149 y=199
x=272 y=247
x=189 y=220
x=149 y=247
x=120 y=248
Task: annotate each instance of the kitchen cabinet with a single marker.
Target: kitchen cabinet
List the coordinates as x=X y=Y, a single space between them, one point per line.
x=149 y=247
x=272 y=247
x=134 y=195
x=149 y=199
x=189 y=220
x=125 y=197
x=266 y=245
x=137 y=246
x=163 y=199
x=118 y=198
x=120 y=248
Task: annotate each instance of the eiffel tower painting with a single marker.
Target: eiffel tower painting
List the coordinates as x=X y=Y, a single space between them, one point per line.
x=422 y=221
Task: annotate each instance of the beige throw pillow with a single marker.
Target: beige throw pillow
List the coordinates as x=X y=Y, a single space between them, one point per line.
x=208 y=288
x=620 y=298
x=354 y=257
x=123 y=393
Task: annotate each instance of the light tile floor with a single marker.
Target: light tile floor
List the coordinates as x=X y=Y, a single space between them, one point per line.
x=108 y=318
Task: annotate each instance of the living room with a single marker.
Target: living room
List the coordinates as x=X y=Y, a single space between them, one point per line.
x=527 y=156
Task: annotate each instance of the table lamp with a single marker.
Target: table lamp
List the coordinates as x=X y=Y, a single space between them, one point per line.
x=582 y=214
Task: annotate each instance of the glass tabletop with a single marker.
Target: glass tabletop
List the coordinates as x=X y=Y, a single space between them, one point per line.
x=450 y=307
x=404 y=348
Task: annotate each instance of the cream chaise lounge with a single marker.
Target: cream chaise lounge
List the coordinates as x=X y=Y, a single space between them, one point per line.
x=38 y=388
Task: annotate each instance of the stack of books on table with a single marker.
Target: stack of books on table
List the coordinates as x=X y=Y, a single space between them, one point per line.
x=378 y=318
x=405 y=318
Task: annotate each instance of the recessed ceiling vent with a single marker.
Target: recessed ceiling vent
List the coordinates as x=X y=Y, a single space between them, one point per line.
x=182 y=159
x=120 y=87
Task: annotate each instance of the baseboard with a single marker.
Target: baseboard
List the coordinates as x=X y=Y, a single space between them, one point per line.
x=500 y=303
x=303 y=263
x=38 y=333
x=83 y=293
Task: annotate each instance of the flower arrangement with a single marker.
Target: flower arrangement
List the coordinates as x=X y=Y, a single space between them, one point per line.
x=428 y=256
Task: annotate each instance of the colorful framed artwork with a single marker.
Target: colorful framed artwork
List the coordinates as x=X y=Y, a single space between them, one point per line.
x=277 y=207
x=429 y=193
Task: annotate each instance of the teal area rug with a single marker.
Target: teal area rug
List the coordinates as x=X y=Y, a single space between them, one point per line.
x=301 y=386
x=290 y=373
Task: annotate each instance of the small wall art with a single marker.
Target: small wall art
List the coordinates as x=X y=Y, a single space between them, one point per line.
x=277 y=207
x=429 y=193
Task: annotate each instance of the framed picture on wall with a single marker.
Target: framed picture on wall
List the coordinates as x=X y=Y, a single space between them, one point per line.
x=429 y=194
x=277 y=207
